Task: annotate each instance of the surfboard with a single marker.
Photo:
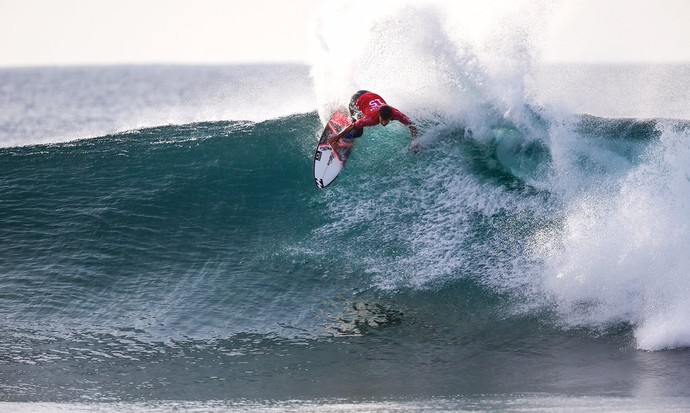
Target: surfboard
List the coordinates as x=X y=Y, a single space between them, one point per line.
x=328 y=162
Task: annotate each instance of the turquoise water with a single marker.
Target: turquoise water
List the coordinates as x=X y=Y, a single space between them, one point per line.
x=194 y=265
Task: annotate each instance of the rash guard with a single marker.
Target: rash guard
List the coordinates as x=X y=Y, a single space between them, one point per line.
x=370 y=103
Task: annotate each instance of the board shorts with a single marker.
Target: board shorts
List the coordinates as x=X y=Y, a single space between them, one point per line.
x=355 y=133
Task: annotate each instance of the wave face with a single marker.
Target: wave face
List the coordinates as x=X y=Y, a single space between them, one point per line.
x=165 y=241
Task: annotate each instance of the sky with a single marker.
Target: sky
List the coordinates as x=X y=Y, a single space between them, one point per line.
x=74 y=32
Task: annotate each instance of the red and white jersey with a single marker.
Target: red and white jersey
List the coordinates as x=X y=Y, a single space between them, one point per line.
x=370 y=103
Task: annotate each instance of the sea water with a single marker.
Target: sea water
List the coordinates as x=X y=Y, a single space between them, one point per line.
x=163 y=246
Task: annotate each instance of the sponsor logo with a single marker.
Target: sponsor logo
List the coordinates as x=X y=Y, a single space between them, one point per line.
x=318 y=155
x=375 y=103
x=330 y=159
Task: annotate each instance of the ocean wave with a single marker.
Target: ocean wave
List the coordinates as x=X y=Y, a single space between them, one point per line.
x=158 y=218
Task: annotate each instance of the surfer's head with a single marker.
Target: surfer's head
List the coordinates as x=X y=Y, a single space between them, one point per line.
x=385 y=115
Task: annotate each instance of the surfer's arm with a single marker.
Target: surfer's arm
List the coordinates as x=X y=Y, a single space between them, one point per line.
x=405 y=120
x=413 y=132
x=342 y=133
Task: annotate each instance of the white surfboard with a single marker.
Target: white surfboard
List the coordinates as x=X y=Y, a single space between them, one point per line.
x=328 y=163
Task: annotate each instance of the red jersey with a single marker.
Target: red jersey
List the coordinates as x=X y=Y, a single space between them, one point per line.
x=370 y=103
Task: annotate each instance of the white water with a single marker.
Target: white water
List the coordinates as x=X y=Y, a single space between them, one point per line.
x=621 y=253
x=426 y=57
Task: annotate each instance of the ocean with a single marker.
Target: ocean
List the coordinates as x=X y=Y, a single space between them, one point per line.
x=163 y=246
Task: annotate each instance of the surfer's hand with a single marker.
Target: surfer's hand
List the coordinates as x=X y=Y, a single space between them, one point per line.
x=413 y=132
x=415 y=146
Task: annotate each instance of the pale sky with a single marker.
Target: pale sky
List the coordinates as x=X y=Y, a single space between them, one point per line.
x=153 y=31
x=654 y=31
x=59 y=32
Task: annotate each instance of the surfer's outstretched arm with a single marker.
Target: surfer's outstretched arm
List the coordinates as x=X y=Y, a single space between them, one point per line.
x=413 y=132
x=342 y=133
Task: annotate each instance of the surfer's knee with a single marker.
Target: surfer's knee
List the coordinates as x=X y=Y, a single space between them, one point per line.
x=353 y=104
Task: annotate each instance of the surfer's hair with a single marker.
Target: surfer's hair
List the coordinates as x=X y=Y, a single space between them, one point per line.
x=386 y=112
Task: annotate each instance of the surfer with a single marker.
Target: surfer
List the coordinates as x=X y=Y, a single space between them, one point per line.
x=369 y=109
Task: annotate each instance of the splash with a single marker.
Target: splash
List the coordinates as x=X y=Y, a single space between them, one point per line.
x=620 y=255
x=459 y=61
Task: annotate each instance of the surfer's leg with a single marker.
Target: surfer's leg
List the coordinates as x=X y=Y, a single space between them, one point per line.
x=355 y=113
x=356 y=116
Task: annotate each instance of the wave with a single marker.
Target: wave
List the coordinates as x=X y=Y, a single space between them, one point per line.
x=210 y=230
x=208 y=227
x=616 y=255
